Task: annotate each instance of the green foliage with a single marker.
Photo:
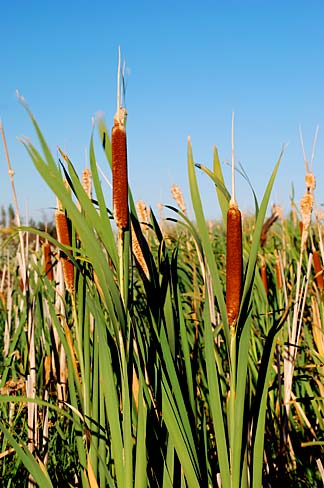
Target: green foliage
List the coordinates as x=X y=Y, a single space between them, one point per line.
x=138 y=379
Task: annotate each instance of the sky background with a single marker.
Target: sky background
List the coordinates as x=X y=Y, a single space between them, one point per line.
x=189 y=65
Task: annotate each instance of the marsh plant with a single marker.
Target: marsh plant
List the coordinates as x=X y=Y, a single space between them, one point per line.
x=141 y=354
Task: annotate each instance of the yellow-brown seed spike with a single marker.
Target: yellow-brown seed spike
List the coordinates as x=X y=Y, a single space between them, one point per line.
x=87 y=181
x=234 y=264
x=63 y=236
x=119 y=170
x=138 y=253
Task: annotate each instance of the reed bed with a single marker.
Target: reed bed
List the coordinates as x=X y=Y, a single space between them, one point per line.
x=135 y=354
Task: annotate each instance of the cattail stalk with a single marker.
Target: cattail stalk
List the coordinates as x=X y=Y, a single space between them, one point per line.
x=120 y=180
x=234 y=263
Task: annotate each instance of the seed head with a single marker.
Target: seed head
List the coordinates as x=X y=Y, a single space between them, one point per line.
x=48 y=265
x=137 y=251
x=119 y=170
x=234 y=264
x=63 y=236
x=87 y=181
x=178 y=197
x=306 y=207
x=310 y=182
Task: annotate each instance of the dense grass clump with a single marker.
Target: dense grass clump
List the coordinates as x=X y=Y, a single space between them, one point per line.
x=120 y=364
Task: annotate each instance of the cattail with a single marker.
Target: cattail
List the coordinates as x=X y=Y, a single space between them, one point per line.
x=87 y=181
x=138 y=253
x=318 y=270
x=119 y=170
x=319 y=214
x=310 y=182
x=178 y=197
x=278 y=272
x=143 y=215
x=263 y=272
x=267 y=224
x=317 y=327
x=233 y=263
x=306 y=207
x=48 y=265
x=234 y=260
x=63 y=236
x=294 y=216
x=47 y=369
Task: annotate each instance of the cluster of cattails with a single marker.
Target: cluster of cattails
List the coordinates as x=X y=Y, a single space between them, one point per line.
x=119 y=170
x=63 y=236
x=178 y=197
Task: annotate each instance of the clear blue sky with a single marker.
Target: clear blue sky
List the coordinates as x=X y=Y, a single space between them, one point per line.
x=190 y=64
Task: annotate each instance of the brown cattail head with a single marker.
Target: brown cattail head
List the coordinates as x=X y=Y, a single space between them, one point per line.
x=48 y=265
x=278 y=272
x=119 y=170
x=234 y=264
x=263 y=272
x=301 y=226
x=318 y=270
x=275 y=215
x=63 y=236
